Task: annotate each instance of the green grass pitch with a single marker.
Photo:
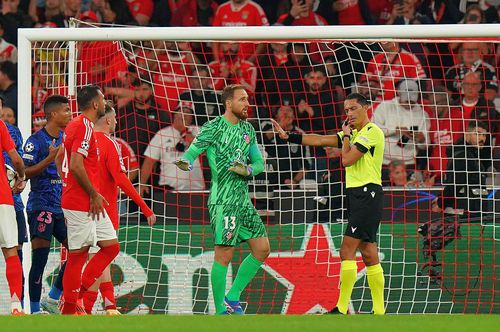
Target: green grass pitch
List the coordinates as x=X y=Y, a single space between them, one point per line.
x=274 y=323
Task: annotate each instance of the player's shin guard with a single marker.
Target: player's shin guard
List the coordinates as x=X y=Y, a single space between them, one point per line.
x=348 y=273
x=89 y=299
x=39 y=258
x=57 y=287
x=98 y=263
x=375 y=275
x=246 y=272
x=218 y=277
x=14 y=274
x=72 y=281
x=108 y=295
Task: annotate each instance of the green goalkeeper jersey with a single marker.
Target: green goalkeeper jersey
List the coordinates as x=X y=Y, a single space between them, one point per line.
x=224 y=143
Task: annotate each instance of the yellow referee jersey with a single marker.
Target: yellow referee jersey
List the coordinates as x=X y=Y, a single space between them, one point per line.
x=368 y=169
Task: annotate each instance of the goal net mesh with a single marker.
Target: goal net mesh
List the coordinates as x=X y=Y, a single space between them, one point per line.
x=164 y=91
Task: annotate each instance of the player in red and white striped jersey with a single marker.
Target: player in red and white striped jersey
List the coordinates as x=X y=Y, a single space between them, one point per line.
x=83 y=206
x=112 y=175
x=8 y=224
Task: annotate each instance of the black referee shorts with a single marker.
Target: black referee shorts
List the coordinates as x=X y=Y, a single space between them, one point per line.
x=364 y=210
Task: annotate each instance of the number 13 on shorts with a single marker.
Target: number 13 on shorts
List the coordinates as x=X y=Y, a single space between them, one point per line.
x=229 y=223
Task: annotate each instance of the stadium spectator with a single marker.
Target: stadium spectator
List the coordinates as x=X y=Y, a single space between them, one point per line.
x=172 y=64
x=398 y=176
x=369 y=87
x=39 y=121
x=316 y=108
x=141 y=118
x=14 y=18
x=465 y=177
x=346 y=12
x=51 y=12
x=489 y=11
x=8 y=51
x=293 y=160
x=194 y=13
x=8 y=85
x=447 y=127
x=440 y=11
x=240 y=13
x=330 y=185
x=473 y=15
x=281 y=74
x=301 y=13
x=113 y=12
x=141 y=10
x=405 y=125
x=475 y=106
x=162 y=13
x=470 y=58
x=232 y=68
x=393 y=64
x=129 y=159
x=402 y=12
x=46 y=82
x=204 y=100
x=167 y=146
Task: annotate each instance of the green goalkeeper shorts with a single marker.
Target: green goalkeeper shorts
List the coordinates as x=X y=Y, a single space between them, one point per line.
x=232 y=225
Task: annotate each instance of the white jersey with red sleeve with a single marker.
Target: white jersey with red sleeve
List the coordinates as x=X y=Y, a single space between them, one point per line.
x=405 y=65
x=79 y=138
x=110 y=164
x=6 y=144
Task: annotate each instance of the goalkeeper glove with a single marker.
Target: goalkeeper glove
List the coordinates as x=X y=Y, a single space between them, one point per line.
x=183 y=164
x=239 y=168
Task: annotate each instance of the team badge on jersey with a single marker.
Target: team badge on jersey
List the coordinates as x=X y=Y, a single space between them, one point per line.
x=244 y=15
x=246 y=138
x=85 y=145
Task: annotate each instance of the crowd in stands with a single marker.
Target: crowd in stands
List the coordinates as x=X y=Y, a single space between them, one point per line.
x=423 y=95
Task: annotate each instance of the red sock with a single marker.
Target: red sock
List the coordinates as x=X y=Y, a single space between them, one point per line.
x=72 y=281
x=108 y=294
x=98 y=263
x=89 y=298
x=14 y=273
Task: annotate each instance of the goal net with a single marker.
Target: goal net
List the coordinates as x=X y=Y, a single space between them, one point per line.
x=423 y=93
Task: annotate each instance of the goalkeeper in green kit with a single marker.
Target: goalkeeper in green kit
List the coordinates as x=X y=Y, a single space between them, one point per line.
x=233 y=155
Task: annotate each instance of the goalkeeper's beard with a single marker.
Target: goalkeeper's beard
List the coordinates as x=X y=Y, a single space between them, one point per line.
x=242 y=114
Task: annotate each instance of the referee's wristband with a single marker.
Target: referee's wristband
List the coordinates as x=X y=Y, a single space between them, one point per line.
x=295 y=138
x=346 y=136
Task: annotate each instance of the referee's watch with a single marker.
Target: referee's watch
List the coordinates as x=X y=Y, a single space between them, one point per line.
x=347 y=136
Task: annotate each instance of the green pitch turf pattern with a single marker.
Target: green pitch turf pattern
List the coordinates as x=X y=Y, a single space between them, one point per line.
x=275 y=323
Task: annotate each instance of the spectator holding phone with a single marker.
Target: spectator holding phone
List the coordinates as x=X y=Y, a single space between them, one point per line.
x=405 y=125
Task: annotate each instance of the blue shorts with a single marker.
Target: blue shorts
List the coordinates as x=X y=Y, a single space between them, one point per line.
x=45 y=224
x=22 y=235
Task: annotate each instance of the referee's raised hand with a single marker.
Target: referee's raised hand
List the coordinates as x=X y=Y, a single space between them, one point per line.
x=277 y=128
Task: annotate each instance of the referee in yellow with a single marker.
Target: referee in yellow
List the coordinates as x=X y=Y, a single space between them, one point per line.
x=362 y=144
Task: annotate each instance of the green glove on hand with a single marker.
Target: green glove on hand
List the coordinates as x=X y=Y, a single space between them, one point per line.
x=239 y=168
x=183 y=164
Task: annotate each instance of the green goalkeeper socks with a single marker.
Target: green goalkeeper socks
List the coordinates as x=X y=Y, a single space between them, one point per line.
x=348 y=273
x=375 y=275
x=218 y=276
x=246 y=272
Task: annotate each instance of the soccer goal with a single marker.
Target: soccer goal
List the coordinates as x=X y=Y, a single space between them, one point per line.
x=167 y=78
